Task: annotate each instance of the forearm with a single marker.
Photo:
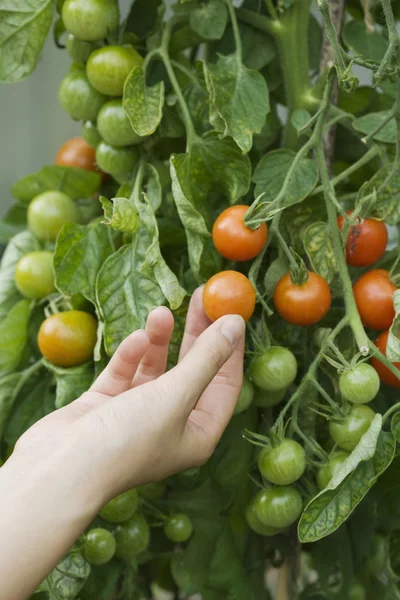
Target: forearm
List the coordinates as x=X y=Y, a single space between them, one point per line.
x=45 y=505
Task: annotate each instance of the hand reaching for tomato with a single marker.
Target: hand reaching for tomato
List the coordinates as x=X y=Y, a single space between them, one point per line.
x=135 y=425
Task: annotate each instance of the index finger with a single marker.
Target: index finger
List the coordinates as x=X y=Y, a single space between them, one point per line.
x=196 y=322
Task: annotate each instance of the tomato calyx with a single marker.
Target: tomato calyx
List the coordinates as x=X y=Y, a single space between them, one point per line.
x=299 y=273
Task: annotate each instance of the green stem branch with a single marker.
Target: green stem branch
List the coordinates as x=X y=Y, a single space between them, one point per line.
x=235 y=27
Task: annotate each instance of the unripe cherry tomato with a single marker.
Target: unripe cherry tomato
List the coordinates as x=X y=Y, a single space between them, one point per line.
x=118 y=162
x=152 y=491
x=360 y=385
x=79 y=51
x=229 y=293
x=376 y=561
x=34 y=275
x=76 y=152
x=78 y=98
x=264 y=399
x=67 y=339
x=254 y=522
x=283 y=464
x=108 y=68
x=178 y=528
x=90 y=134
x=114 y=126
x=274 y=370
x=90 y=20
x=303 y=304
x=373 y=293
x=132 y=537
x=121 y=508
x=49 y=212
x=347 y=432
x=278 y=506
x=233 y=239
x=99 y=546
x=384 y=374
x=366 y=242
x=245 y=397
x=327 y=471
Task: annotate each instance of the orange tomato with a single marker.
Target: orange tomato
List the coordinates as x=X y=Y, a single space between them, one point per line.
x=304 y=304
x=233 y=239
x=229 y=293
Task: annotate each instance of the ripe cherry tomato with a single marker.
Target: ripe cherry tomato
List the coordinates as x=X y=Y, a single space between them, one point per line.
x=254 y=522
x=360 y=385
x=34 y=276
x=229 y=293
x=384 y=374
x=79 y=51
x=178 y=528
x=283 y=464
x=366 y=242
x=99 y=546
x=121 y=508
x=326 y=472
x=49 y=212
x=374 y=297
x=67 y=339
x=246 y=396
x=274 y=370
x=347 y=432
x=90 y=134
x=76 y=152
x=90 y=20
x=304 y=304
x=114 y=126
x=132 y=537
x=278 y=506
x=118 y=162
x=109 y=66
x=78 y=98
x=233 y=239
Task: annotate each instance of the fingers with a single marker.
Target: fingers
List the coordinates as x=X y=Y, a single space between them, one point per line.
x=117 y=376
x=159 y=327
x=203 y=361
x=196 y=322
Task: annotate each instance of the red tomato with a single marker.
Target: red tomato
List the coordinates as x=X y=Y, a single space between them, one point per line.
x=304 y=304
x=233 y=239
x=76 y=152
x=385 y=375
x=366 y=242
x=229 y=293
x=373 y=293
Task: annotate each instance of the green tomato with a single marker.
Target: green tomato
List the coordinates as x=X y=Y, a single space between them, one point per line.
x=376 y=562
x=132 y=537
x=347 y=432
x=99 y=546
x=357 y=592
x=49 y=212
x=264 y=399
x=278 y=506
x=152 y=491
x=79 y=51
x=118 y=162
x=245 y=397
x=90 y=134
x=34 y=275
x=326 y=472
x=360 y=385
x=178 y=528
x=114 y=126
x=282 y=464
x=254 y=522
x=274 y=370
x=90 y=20
x=121 y=508
x=108 y=68
x=78 y=98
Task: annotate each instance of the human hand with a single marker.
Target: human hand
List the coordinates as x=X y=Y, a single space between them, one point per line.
x=137 y=423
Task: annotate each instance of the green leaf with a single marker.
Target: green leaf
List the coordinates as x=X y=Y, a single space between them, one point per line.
x=153 y=185
x=120 y=214
x=271 y=172
x=71 y=383
x=368 y=123
x=387 y=203
x=209 y=20
x=318 y=245
x=276 y=270
x=14 y=336
x=80 y=252
x=143 y=17
x=102 y=581
x=143 y=104
x=371 y=45
x=300 y=118
x=395 y=426
x=24 y=26
x=329 y=509
x=34 y=401
x=258 y=48
x=393 y=343
x=13 y=222
x=239 y=100
x=68 y=578
x=19 y=245
x=126 y=291
x=76 y=183
x=8 y=385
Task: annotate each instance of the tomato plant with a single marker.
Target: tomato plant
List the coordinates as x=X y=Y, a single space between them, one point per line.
x=212 y=121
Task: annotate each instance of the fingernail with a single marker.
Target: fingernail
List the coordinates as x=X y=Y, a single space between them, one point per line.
x=232 y=328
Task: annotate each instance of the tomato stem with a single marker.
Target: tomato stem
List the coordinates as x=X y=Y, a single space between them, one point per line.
x=236 y=32
x=390 y=411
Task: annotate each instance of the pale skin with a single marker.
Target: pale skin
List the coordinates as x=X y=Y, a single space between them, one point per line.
x=137 y=424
